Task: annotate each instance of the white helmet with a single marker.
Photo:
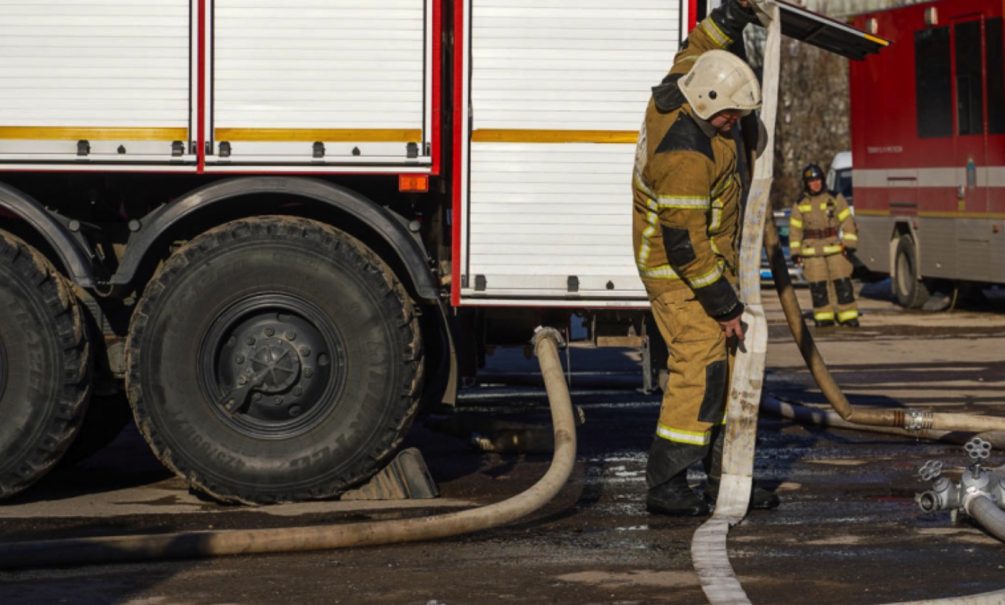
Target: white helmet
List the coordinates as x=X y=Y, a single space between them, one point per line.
x=720 y=80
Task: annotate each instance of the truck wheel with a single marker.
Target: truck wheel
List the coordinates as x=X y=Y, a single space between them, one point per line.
x=45 y=364
x=274 y=359
x=908 y=288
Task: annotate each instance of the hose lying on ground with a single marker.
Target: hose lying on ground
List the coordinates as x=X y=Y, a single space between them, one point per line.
x=198 y=544
x=912 y=420
x=804 y=414
x=986 y=513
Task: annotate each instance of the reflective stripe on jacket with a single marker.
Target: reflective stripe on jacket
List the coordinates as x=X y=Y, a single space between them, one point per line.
x=686 y=208
x=821 y=225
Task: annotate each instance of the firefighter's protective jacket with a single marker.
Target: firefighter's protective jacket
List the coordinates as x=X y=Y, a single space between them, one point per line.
x=685 y=223
x=686 y=187
x=821 y=225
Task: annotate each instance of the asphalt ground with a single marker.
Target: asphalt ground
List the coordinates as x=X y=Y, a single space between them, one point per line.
x=848 y=529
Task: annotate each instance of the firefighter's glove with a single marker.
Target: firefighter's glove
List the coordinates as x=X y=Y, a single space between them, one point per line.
x=732 y=17
x=760 y=10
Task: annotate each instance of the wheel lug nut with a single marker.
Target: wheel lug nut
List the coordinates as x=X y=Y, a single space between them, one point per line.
x=256 y=397
x=239 y=359
x=269 y=331
x=242 y=380
x=251 y=340
x=291 y=335
x=308 y=372
x=295 y=410
x=298 y=391
x=305 y=351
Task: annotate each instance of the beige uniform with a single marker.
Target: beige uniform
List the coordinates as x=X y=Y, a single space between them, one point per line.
x=685 y=228
x=821 y=227
x=685 y=225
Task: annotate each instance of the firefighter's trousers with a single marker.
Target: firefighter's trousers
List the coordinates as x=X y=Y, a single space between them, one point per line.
x=694 y=401
x=826 y=274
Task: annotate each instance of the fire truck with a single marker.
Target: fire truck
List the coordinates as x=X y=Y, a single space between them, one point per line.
x=928 y=141
x=281 y=227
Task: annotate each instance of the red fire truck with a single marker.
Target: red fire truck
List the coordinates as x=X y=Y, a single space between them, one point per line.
x=928 y=141
x=279 y=226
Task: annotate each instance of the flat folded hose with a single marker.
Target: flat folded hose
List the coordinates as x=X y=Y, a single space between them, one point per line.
x=199 y=544
x=709 y=553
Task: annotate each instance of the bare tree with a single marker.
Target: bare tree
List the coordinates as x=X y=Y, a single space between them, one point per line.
x=813 y=115
x=813 y=111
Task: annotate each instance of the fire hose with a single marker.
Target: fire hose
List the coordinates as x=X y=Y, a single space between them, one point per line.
x=215 y=543
x=911 y=420
x=709 y=553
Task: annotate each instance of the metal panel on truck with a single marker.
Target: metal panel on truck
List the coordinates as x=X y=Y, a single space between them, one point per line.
x=321 y=82
x=557 y=92
x=94 y=81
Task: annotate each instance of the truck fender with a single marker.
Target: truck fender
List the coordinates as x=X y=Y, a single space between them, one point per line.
x=72 y=256
x=159 y=224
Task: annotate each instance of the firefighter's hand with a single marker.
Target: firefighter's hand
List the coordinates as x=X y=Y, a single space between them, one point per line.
x=758 y=8
x=732 y=327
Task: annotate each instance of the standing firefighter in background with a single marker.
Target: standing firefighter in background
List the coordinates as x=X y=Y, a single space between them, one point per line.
x=821 y=228
x=687 y=193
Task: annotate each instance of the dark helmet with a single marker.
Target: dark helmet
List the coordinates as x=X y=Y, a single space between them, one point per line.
x=812 y=172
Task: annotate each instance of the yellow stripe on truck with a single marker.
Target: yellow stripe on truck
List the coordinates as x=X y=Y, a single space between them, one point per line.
x=349 y=135
x=554 y=136
x=92 y=133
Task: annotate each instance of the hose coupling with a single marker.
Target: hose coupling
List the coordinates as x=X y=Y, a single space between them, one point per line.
x=971 y=494
x=943 y=495
x=918 y=420
x=542 y=332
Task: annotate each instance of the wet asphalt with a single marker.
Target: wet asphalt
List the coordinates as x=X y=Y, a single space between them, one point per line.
x=848 y=529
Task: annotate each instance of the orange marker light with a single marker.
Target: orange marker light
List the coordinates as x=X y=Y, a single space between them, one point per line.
x=413 y=183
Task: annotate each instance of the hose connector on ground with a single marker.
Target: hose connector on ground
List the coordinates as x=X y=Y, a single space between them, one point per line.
x=943 y=495
x=918 y=420
x=975 y=482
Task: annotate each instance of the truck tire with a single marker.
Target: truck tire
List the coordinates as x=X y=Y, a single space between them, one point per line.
x=274 y=359
x=45 y=364
x=908 y=287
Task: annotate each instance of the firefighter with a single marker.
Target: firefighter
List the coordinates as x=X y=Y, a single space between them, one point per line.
x=686 y=212
x=821 y=232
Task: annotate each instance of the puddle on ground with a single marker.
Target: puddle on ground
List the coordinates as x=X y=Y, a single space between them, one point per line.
x=643 y=577
x=839 y=462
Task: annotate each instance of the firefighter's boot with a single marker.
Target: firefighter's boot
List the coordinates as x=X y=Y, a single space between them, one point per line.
x=823 y=313
x=676 y=498
x=847 y=309
x=760 y=497
x=666 y=476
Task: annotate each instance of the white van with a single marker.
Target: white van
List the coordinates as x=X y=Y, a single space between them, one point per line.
x=839 y=176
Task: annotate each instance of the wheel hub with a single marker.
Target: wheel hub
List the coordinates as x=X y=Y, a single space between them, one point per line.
x=268 y=362
x=274 y=362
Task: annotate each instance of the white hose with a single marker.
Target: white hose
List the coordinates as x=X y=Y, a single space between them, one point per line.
x=708 y=546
